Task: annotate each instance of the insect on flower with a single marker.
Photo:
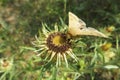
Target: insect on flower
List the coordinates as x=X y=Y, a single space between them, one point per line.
x=55 y=45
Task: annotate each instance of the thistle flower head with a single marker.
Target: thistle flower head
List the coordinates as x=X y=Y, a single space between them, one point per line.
x=54 y=44
x=5 y=64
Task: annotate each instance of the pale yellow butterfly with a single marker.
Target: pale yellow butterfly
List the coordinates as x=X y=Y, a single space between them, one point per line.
x=78 y=27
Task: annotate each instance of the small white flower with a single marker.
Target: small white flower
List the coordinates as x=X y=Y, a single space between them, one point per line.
x=5 y=64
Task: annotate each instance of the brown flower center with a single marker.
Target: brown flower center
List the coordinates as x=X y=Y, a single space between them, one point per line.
x=58 y=42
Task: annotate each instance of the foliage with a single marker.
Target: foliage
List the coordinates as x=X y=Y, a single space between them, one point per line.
x=21 y=20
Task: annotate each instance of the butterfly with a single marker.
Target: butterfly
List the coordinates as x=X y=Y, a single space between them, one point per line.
x=78 y=27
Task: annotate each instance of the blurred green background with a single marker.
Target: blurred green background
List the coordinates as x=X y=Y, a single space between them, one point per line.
x=20 y=20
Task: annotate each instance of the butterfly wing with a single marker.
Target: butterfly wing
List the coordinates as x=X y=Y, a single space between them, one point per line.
x=75 y=23
x=78 y=27
x=90 y=31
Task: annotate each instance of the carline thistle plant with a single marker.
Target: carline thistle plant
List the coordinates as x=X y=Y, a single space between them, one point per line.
x=56 y=45
x=5 y=65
